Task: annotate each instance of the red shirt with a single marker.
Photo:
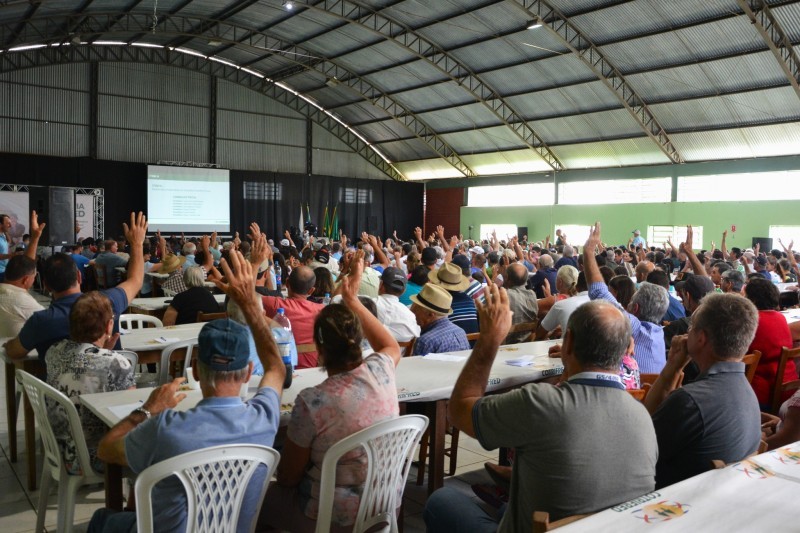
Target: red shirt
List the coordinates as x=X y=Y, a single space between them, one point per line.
x=772 y=334
x=302 y=314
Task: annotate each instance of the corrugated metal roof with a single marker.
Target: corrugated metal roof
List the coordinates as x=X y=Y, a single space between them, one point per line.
x=760 y=141
x=468 y=116
x=588 y=126
x=427 y=169
x=543 y=74
x=625 y=152
x=408 y=150
x=571 y=99
x=730 y=111
x=789 y=18
x=744 y=72
x=385 y=130
x=507 y=162
x=498 y=138
x=445 y=93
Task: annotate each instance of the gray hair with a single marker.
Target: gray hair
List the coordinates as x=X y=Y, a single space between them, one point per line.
x=569 y=251
x=735 y=277
x=211 y=377
x=545 y=261
x=716 y=316
x=600 y=333
x=193 y=276
x=189 y=248
x=653 y=302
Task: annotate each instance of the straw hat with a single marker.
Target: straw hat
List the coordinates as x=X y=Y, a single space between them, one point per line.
x=171 y=263
x=449 y=276
x=434 y=298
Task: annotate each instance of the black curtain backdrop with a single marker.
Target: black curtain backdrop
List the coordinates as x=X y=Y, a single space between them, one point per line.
x=381 y=207
x=391 y=205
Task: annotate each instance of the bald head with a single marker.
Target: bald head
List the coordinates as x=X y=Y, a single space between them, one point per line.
x=301 y=281
x=517 y=275
x=600 y=335
x=643 y=269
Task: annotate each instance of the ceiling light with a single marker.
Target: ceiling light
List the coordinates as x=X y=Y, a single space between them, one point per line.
x=288 y=4
x=535 y=23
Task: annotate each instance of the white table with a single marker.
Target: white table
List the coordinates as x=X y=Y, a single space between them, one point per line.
x=758 y=494
x=421 y=380
x=143 y=341
x=791 y=315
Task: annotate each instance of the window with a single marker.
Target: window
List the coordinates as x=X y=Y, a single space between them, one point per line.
x=509 y=195
x=651 y=190
x=658 y=235
x=352 y=195
x=783 y=185
x=576 y=235
x=785 y=233
x=504 y=231
x=258 y=190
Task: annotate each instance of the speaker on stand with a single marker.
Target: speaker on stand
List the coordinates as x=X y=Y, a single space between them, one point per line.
x=56 y=207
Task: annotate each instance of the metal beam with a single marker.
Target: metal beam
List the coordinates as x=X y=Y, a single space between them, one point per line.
x=449 y=65
x=592 y=57
x=333 y=72
x=766 y=24
x=56 y=55
x=34 y=5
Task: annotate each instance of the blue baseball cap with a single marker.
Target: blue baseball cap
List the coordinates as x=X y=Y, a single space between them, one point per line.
x=223 y=345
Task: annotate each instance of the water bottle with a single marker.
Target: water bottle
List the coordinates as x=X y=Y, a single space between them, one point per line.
x=327 y=299
x=277 y=277
x=283 y=338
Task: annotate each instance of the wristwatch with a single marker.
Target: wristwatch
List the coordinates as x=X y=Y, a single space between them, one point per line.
x=144 y=411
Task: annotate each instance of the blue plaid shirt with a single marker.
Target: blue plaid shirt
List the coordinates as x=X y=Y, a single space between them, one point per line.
x=439 y=337
x=648 y=338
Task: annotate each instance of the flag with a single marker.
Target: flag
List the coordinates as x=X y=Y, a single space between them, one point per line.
x=300 y=224
x=335 y=223
x=325 y=227
x=308 y=214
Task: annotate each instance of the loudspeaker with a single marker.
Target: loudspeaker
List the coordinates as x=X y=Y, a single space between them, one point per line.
x=521 y=232
x=56 y=207
x=764 y=242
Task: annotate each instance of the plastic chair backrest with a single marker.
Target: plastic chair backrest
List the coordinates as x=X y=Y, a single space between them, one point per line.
x=166 y=356
x=750 y=364
x=215 y=480
x=779 y=388
x=389 y=447
x=130 y=355
x=40 y=394
x=127 y=322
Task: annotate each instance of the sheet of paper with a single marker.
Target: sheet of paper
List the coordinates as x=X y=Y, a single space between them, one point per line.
x=164 y=340
x=444 y=357
x=521 y=361
x=121 y=411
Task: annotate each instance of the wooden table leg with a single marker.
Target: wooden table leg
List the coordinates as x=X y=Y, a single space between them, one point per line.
x=30 y=442
x=11 y=409
x=437 y=416
x=113 y=477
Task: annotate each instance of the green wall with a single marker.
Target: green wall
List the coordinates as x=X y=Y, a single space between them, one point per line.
x=752 y=219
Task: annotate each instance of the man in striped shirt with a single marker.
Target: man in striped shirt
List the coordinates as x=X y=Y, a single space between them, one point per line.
x=450 y=277
x=645 y=310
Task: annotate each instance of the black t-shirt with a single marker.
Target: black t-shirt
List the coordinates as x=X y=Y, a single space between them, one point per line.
x=192 y=301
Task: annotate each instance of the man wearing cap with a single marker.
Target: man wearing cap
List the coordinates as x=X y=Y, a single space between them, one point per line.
x=155 y=432
x=450 y=277
x=322 y=258
x=431 y=307
x=637 y=239
x=398 y=318
x=429 y=257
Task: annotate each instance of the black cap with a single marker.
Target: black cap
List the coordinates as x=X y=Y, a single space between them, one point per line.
x=394 y=278
x=696 y=286
x=429 y=256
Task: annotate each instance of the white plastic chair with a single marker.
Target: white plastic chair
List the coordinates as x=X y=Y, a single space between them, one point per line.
x=389 y=448
x=130 y=355
x=215 y=480
x=166 y=355
x=127 y=322
x=54 y=469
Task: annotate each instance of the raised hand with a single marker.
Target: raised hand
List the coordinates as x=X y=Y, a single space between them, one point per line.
x=136 y=232
x=240 y=276
x=165 y=397
x=594 y=239
x=36 y=227
x=352 y=281
x=495 y=315
x=689 y=238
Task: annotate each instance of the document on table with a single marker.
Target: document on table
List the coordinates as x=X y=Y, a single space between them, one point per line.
x=121 y=411
x=526 y=360
x=445 y=357
x=164 y=340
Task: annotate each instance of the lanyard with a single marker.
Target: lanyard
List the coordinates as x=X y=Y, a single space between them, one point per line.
x=597 y=379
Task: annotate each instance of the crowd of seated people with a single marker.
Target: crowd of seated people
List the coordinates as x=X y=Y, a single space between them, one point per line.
x=617 y=312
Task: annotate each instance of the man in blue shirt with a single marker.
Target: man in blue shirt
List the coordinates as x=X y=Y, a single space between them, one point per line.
x=61 y=277
x=431 y=306
x=155 y=432
x=637 y=239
